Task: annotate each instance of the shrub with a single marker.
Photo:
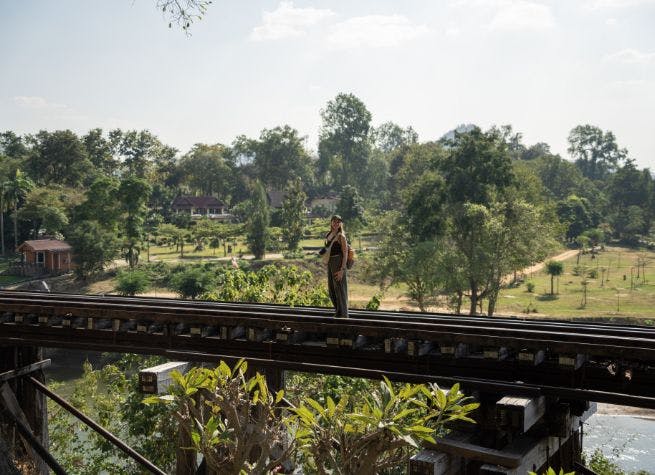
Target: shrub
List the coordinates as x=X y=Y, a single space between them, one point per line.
x=193 y=282
x=530 y=286
x=132 y=282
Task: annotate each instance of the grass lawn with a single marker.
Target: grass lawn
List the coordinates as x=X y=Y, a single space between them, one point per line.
x=169 y=253
x=613 y=296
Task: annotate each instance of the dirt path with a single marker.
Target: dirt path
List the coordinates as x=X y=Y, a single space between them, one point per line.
x=559 y=257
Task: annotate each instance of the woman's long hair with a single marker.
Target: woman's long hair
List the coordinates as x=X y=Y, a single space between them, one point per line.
x=340 y=229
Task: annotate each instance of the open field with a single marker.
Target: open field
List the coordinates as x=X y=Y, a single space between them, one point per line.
x=614 y=297
x=615 y=288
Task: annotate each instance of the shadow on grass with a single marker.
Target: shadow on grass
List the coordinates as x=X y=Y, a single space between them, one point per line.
x=546 y=297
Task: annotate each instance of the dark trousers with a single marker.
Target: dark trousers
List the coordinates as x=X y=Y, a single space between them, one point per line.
x=338 y=289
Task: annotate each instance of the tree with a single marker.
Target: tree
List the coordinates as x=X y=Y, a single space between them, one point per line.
x=45 y=209
x=59 y=158
x=257 y=222
x=477 y=166
x=183 y=14
x=133 y=194
x=554 y=269
x=390 y=136
x=293 y=213
x=15 y=191
x=576 y=215
x=178 y=236
x=344 y=145
x=100 y=151
x=139 y=151
x=192 y=282
x=12 y=145
x=596 y=153
x=93 y=247
x=132 y=282
x=279 y=156
x=206 y=170
x=101 y=204
x=351 y=208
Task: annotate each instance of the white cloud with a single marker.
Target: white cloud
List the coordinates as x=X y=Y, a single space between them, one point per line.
x=598 y=4
x=374 y=31
x=287 y=21
x=630 y=56
x=36 y=102
x=522 y=15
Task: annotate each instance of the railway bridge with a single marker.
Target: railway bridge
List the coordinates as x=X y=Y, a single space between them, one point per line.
x=537 y=380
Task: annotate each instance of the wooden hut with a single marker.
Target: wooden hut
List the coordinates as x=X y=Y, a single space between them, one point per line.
x=46 y=256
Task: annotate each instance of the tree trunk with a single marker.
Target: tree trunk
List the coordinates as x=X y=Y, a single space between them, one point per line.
x=2 y=220
x=460 y=297
x=552 y=290
x=474 y=298
x=15 y=228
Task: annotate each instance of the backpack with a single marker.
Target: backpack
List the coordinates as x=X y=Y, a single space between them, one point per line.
x=350 y=261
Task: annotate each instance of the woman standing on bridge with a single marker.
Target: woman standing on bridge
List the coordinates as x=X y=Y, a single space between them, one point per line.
x=335 y=253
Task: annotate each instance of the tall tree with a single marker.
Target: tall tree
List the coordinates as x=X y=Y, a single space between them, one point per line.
x=351 y=208
x=277 y=157
x=344 y=142
x=15 y=190
x=390 y=136
x=59 y=158
x=100 y=151
x=12 y=145
x=293 y=213
x=258 y=222
x=133 y=193
x=206 y=170
x=93 y=247
x=46 y=209
x=596 y=153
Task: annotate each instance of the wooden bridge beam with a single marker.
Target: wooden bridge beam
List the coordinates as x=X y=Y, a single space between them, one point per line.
x=32 y=402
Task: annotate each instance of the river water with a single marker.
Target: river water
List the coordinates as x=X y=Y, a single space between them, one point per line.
x=629 y=441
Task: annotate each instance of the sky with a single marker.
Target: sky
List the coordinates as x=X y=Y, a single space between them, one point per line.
x=541 y=66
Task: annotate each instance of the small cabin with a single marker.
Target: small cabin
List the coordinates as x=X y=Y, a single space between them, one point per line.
x=46 y=256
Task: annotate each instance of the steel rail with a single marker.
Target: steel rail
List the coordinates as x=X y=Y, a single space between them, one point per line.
x=499 y=322
x=213 y=315
x=137 y=457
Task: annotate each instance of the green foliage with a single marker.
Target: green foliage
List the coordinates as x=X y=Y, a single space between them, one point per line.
x=272 y=284
x=554 y=269
x=293 y=213
x=374 y=303
x=93 y=247
x=229 y=417
x=530 y=287
x=550 y=471
x=111 y=398
x=258 y=222
x=344 y=143
x=192 y=282
x=596 y=152
x=132 y=282
x=375 y=433
x=133 y=193
x=351 y=209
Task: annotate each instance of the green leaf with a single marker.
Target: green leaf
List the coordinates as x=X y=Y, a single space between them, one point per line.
x=279 y=396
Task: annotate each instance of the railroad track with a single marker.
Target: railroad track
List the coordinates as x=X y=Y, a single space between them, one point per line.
x=603 y=362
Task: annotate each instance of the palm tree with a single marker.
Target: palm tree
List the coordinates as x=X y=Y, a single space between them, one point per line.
x=554 y=268
x=15 y=189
